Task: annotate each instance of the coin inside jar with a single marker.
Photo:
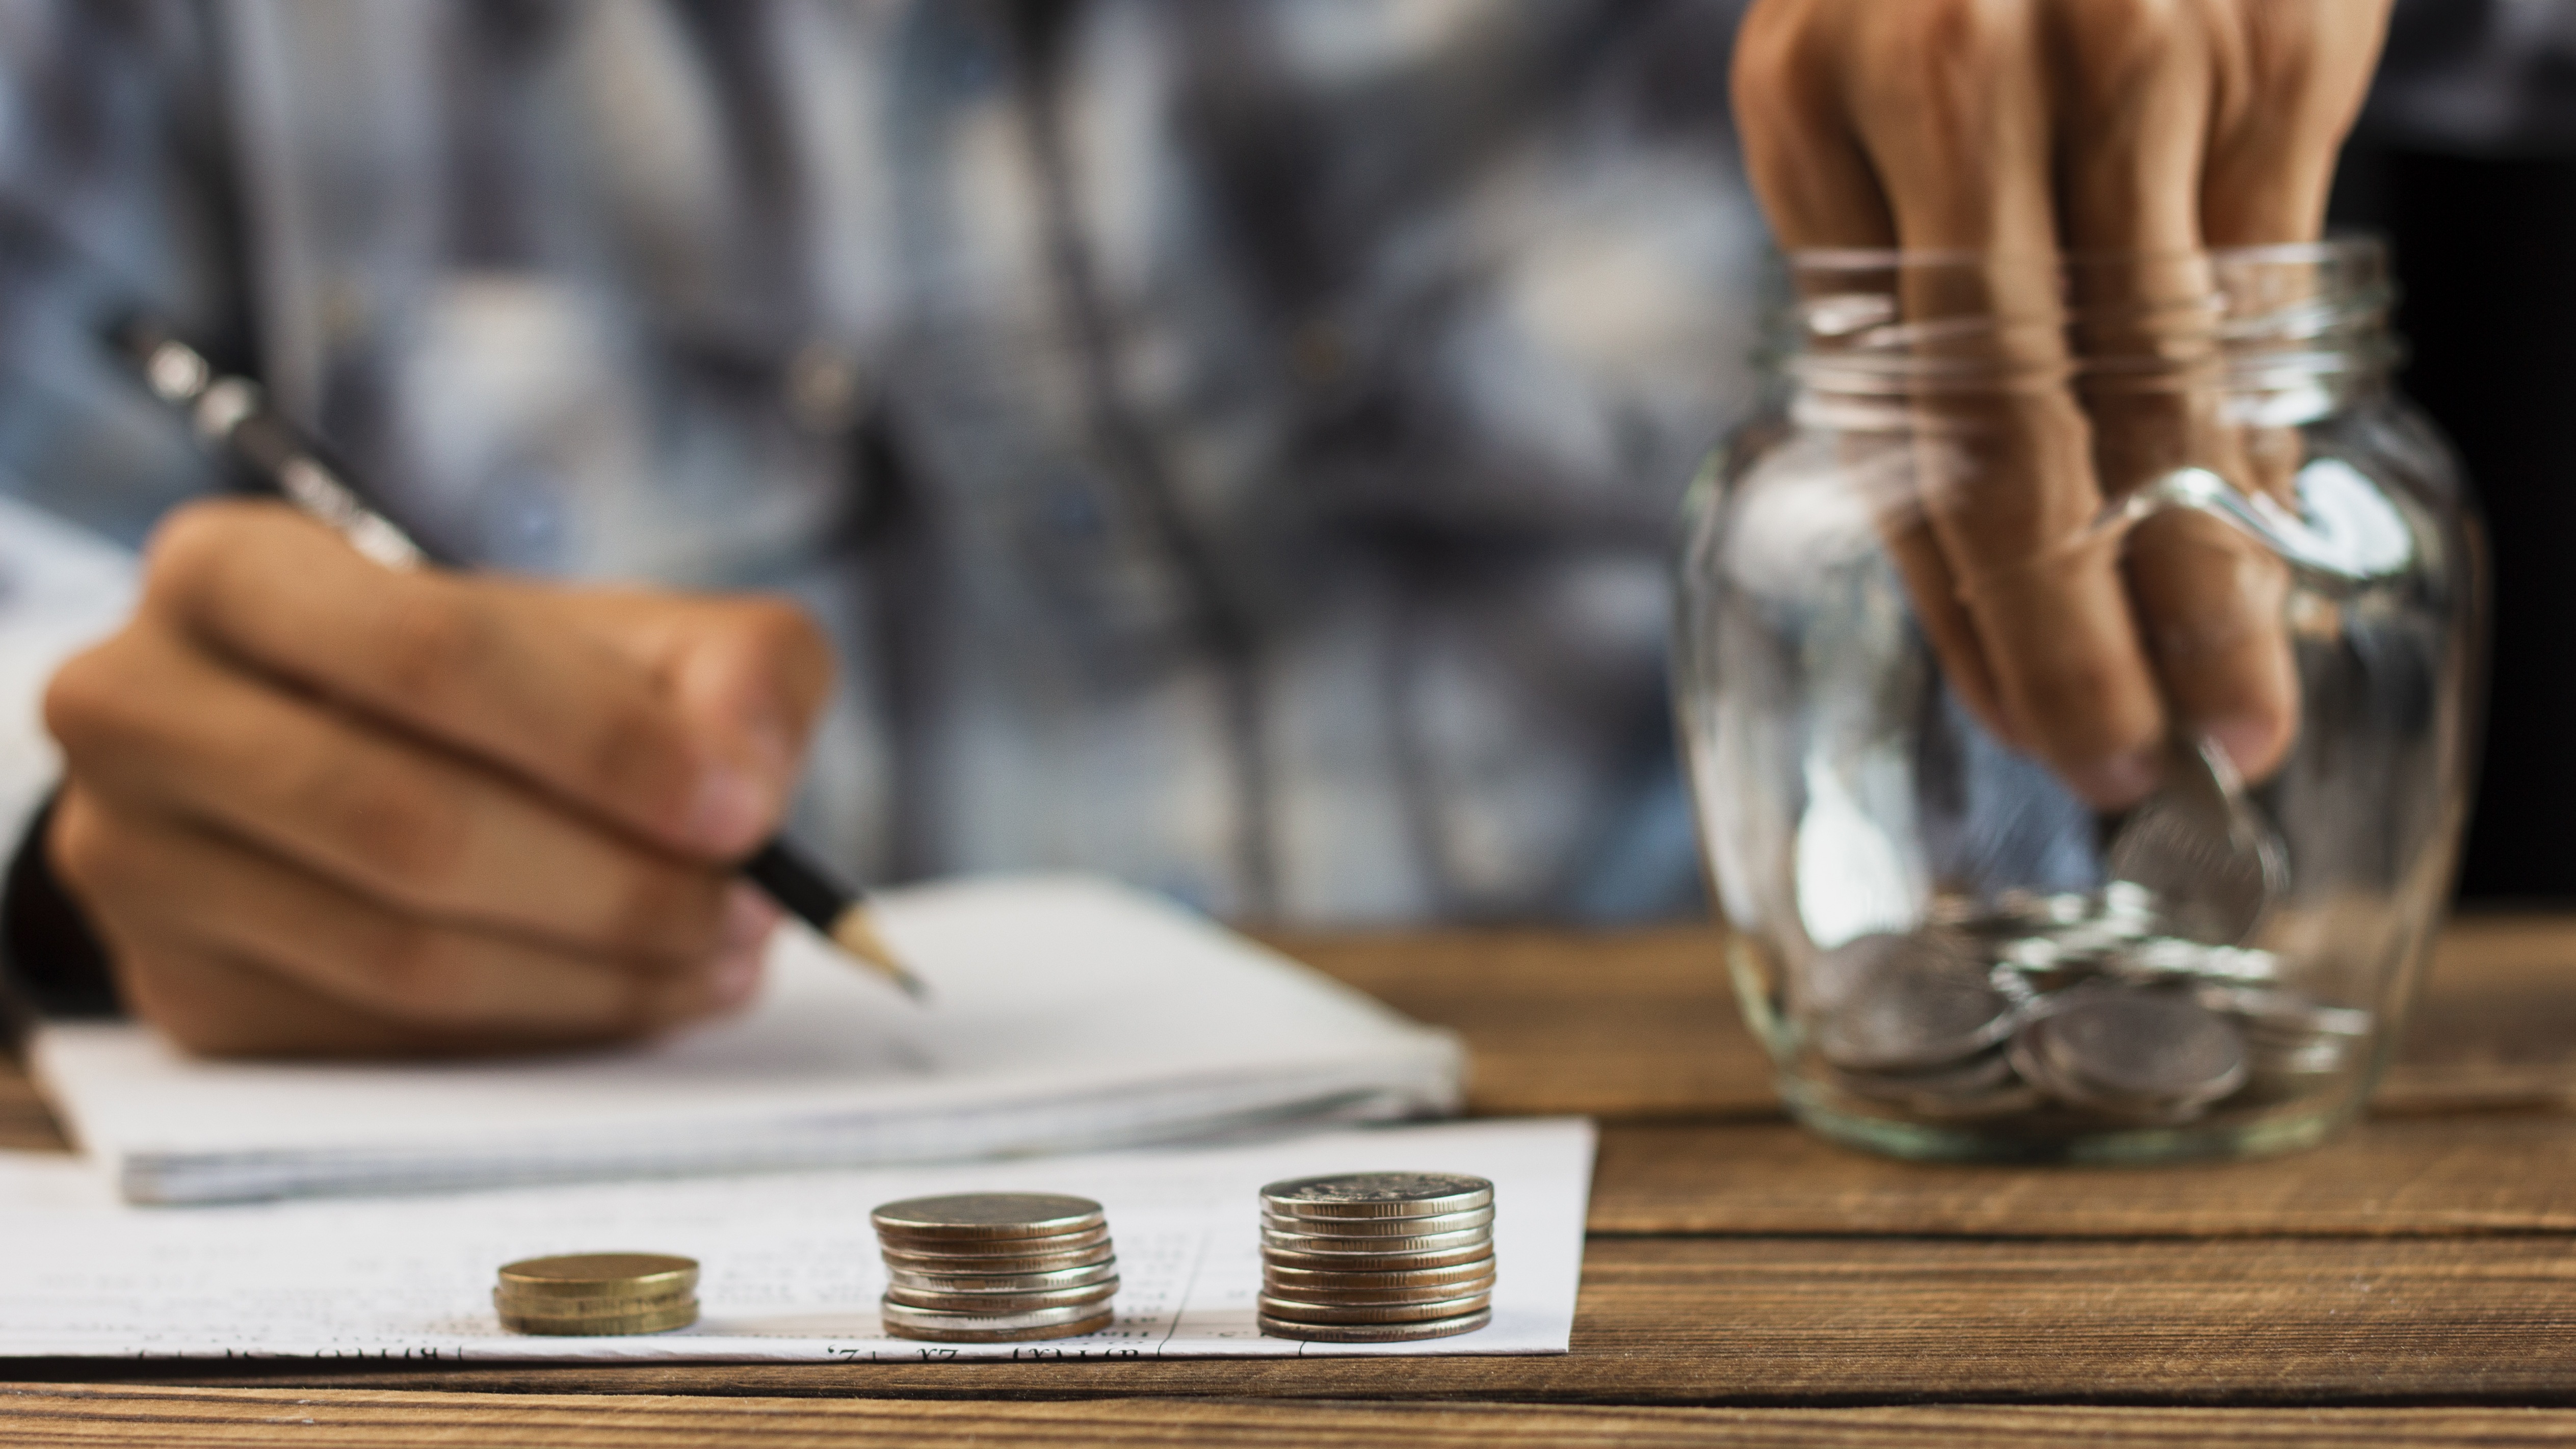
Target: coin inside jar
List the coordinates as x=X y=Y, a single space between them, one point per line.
x=2155 y=1053
x=2202 y=848
x=1904 y=1010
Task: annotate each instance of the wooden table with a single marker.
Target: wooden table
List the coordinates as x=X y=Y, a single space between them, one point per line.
x=1745 y=1283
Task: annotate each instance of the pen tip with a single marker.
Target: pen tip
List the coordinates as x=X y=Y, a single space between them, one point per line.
x=857 y=935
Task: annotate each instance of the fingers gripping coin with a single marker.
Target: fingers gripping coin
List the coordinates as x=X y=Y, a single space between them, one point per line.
x=2109 y=142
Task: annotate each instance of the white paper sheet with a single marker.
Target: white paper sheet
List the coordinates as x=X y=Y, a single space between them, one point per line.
x=789 y=1266
x=1068 y=1014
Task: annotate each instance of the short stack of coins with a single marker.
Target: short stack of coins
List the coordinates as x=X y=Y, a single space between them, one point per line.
x=996 y=1267
x=598 y=1294
x=1376 y=1257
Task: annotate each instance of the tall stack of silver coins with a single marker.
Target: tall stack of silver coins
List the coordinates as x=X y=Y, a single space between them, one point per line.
x=1377 y=1257
x=597 y=1295
x=996 y=1267
x=2088 y=1004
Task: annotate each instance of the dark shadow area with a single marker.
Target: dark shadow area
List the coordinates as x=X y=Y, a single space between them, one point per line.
x=2486 y=254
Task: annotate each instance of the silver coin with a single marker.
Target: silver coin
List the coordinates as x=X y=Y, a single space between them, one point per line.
x=2287 y=1013
x=988 y=1304
x=1098 y=1250
x=1372 y=1332
x=2033 y=908
x=1863 y=964
x=1980 y=1073
x=1981 y=1087
x=1375 y=1246
x=2149 y=1051
x=1909 y=1009
x=2203 y=848
x=1004 y=1282
x=1275 y=1256
x=2126 y=900
x=929 y=1333
x=1378 y=1195
x=1295 y=1311
x=986 y=1216
x=1382 y=1227
x=1436 y=1293
x=905 y=1316
x=2322 y=1057
x=1329 y=1279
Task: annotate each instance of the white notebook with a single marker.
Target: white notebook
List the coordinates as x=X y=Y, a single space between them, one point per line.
x=1067 y=1014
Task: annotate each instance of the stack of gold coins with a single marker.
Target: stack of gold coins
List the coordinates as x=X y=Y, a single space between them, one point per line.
x=598 y=1294
x=1374 y=1257
x=996 y=1267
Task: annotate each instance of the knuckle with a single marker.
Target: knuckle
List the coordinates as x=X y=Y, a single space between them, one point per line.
x=430 y=639
x=85 y=849
x=187 y=555
x=2115 y=44
x=403 y=830
x=791 y=646
x=666 y=914
x=638 y=753
x=417 y=974
x=86 y=700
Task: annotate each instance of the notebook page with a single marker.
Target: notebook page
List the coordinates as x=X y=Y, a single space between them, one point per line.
x=1058 y=995
x=790 y=1270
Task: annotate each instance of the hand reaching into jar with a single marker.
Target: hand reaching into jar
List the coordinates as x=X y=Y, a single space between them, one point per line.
x=2002 y=139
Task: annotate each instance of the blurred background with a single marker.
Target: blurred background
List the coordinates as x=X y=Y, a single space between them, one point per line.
x=2466 y=160
x=1233 y=446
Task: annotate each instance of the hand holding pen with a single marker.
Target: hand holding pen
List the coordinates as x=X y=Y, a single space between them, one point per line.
x=318 y=805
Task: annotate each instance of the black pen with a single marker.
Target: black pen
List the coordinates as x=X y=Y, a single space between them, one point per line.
x=232 y=414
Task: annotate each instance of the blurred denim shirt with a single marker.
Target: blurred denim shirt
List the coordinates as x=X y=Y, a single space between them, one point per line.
x=1233 y=445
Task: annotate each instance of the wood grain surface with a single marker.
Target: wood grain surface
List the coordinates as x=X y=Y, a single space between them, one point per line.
x=1789 y=1321
x=1746 y=1282
x=39 y=1418
x=1642 y=1024
x=2509 y=1173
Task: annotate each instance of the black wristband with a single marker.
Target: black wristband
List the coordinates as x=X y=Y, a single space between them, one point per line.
x=50 y=959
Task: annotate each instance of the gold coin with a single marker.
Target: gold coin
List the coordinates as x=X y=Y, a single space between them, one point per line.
x=606 y=1325
x=983 y=1216
x=1372 y=1332
x=540 y=1306
x=601 y=1275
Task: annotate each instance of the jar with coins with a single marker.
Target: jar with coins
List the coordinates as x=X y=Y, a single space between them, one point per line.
x=2076 y=669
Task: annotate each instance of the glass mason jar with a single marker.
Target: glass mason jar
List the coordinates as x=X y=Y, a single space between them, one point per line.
x=1956 y=942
